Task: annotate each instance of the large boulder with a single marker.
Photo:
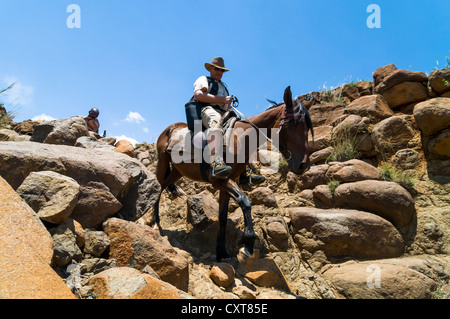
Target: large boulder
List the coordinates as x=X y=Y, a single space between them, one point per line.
x=326 y=113
x=400 y=87
x=129 y=283
x=386 y=199
x=95 y=204
x=137 y=246
x=438 y=81
x=51 y=195
x=374 y=107
x=392 y=135
x=433 y=116
x=406 y=278
x=62 y=132
x=202 y=210
x=127 y=179
x=352 y=171
x=25 y=252
x=345 y=233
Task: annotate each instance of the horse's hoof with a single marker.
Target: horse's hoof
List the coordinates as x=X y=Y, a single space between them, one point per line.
x=245 y=259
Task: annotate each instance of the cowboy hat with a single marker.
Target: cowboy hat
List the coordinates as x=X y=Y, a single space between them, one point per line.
x=218 y=63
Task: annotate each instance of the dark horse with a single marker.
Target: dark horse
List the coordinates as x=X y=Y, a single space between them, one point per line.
x=291 y=123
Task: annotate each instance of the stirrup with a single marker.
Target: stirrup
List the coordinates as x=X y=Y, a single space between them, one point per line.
x=219 y=170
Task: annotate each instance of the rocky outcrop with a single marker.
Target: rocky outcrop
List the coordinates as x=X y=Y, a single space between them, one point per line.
x=125 y=178
x=368 y=220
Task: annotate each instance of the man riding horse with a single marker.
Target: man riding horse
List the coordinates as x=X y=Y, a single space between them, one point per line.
x=212 y=100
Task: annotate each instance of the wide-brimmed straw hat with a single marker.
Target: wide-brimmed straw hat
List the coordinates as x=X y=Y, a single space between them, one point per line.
x=218 y=63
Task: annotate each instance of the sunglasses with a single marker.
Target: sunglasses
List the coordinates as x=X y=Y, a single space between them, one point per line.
x=218 y=69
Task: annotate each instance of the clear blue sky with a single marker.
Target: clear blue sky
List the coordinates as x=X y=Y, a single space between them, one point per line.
x=140 y=58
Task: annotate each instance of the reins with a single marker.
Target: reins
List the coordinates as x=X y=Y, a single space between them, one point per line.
x=283 y=123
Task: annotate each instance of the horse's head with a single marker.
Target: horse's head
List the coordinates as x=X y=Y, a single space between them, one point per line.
x=294 y=127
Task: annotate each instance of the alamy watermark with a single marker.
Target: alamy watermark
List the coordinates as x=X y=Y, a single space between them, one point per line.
x=74 y=19
x=374 y=279
x=374 y=20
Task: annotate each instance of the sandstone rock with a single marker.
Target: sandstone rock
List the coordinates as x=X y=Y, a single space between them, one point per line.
x=10 y=135
x=244 y=292
x=51 y=195
x=202 y=210
x=405 y=93
x=352 y=171
x=263 y=196
x=392 y=134
x=25 y=252
x=383 y=72
x=125 y=147
x=96 y=242
x=263 y=278
x=374 y=107
x=440 y=145
x=277 y=234
x=400 y=87
x=62 y=132
x=129 y=283
x=437 y=80
x=125 y=177
x=222 y=274
x=350 y=126
x=26 y=127
x=95 y=204
x=315 y=176
x=392 y=77
x=323 y=197
x=321 y=155
x=136 y=246
x=325 y=113
x=406 y=159
x=433 y=116
x=322 y=138
x=386 y=199
x=96 y=265
x=345 y=233
x=65 y=246
x=93 y=143
x=382 y=279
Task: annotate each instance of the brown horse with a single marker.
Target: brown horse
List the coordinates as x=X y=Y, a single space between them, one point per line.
x=292 y=125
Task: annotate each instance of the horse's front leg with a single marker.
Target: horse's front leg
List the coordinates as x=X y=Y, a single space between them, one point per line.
x=221 y=252
x=246 y=255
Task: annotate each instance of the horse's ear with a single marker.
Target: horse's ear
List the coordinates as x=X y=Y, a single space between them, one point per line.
x=288 y=100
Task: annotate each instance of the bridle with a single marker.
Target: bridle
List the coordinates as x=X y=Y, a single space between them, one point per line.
x=287 y=119
x=291 y=119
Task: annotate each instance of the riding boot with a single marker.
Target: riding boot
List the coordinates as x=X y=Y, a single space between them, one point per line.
x=219 y=170
x=249 y=178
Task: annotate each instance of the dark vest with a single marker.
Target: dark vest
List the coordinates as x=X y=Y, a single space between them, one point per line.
x=194 y=108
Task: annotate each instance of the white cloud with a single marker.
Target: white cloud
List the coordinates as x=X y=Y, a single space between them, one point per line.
x=134 y=117
x=43 y=118
x=20 y=94
x=126 y=138
x=146 y=130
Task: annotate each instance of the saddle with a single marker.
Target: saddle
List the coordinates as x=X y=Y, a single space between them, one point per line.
x=184 y=146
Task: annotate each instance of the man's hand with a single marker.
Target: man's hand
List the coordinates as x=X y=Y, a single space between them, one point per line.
x=228 y=100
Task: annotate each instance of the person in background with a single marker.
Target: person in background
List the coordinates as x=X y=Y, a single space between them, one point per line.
x=91 y=120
